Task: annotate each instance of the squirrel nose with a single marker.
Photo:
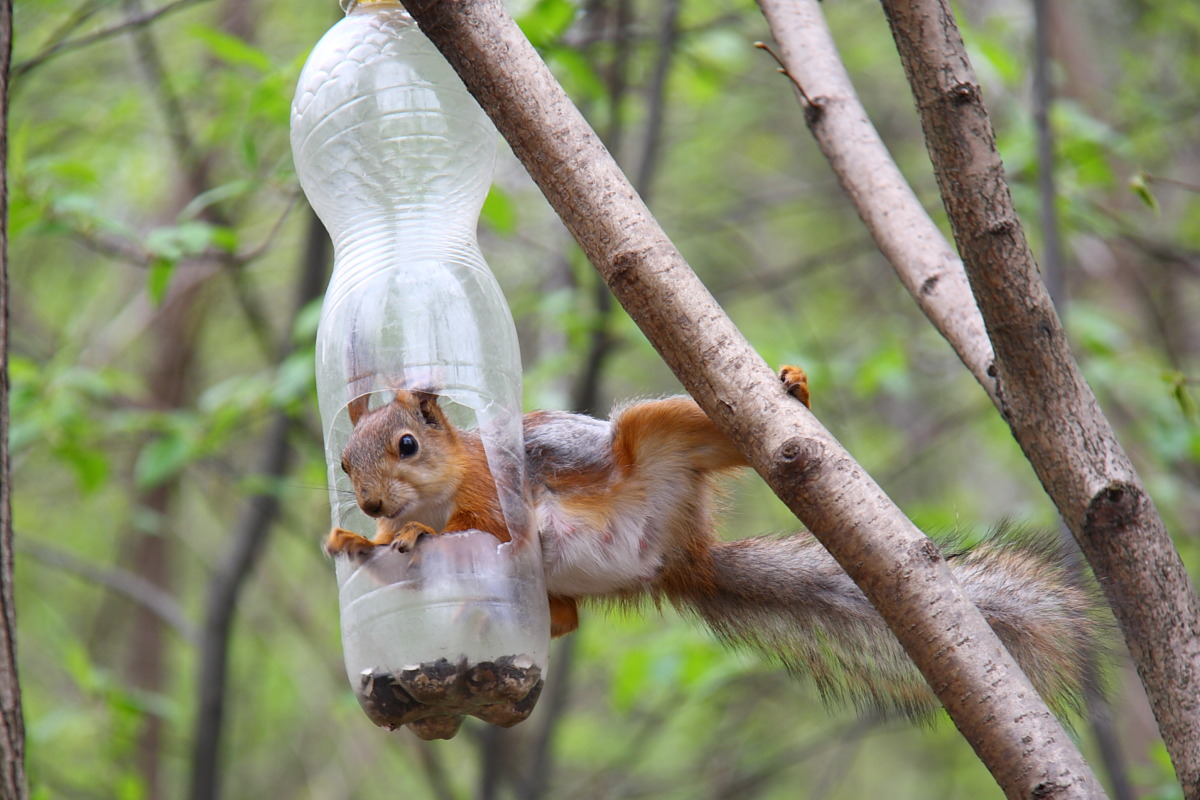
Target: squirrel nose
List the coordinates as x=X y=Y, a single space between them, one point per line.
x=371 y=507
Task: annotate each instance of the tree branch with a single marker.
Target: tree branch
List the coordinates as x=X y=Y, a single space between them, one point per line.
x=128 y=24
x=152 y=598
x=1046 y=401
x=926 y=263
x=1054 y=265
x=900 y=570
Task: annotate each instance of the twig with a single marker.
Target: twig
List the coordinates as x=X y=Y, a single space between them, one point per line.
x=1054 y=268
x=154 y=599
x=809 y=103
x=585 y=393
x=1189 y=186
x=129 y=23
x=193 y=167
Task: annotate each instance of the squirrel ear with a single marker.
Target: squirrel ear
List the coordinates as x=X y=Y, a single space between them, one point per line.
x=427 y=406
x=358 y=408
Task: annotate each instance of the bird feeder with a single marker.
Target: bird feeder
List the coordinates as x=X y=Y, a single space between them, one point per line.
x=396 y=158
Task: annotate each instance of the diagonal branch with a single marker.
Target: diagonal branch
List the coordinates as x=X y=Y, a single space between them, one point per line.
x=902 y=573
x=147 y=595
x=1044 y=398
x=926 y=263
x=128 y=24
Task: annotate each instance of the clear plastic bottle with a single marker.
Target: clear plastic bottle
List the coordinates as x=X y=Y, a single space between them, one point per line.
x=396 y=158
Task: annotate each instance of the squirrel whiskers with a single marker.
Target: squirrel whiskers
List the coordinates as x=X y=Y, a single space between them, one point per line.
x=625 y=511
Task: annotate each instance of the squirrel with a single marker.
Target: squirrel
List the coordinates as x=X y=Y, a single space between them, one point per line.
x=625 y=511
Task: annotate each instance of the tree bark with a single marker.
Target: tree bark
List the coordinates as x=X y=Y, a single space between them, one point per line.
x=900 y=570
x=1044 y=397
x=12 y=724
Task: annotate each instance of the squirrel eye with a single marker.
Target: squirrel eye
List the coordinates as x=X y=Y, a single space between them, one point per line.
x=345 y=466
x=407 y=445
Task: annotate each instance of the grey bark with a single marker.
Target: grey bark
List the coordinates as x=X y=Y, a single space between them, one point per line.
x=1051 y=410
x=12 y=723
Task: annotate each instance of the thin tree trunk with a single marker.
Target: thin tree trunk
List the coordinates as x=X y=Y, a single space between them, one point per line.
x=247 y=543
x=900 y=570
x=12 y=725
x=152 y=554
x=1044 y=398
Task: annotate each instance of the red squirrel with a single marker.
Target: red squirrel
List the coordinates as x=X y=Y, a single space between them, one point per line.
x=625 y=510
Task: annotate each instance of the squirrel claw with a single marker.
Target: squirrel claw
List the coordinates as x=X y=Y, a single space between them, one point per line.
x=404 y=539
x=795 y=383
x=342 y=542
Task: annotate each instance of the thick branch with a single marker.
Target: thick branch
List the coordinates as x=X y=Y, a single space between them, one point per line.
x=926 y=263
x=897 y=567
x=1047 y=403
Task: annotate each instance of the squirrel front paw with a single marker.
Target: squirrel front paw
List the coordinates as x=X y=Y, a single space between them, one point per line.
x=795 y=383
x=404 y=539
x=342 y=542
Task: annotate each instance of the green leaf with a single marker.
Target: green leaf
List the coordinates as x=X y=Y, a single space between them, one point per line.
x=162 y=459
x=177 y=241
x=1139 y=184
x=90 y=465
x=499 y=212
x=294 y=378
x=546 y=21
x=1180 y=392
x=217 y=194
x=577 y=73
x=884 y=370
x=1096 y=331
x=232 y=50
x=158 y=279
x=304 y=330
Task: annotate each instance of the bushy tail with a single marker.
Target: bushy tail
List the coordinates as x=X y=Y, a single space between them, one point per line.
x=788 y=598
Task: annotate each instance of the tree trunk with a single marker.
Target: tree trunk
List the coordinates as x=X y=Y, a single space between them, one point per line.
x=1043 y=396
x=12 y=725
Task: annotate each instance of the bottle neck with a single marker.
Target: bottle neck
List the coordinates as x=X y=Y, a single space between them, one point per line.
x=416 y=235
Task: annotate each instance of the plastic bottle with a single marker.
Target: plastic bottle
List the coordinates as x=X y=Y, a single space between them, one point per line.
x=396 y=158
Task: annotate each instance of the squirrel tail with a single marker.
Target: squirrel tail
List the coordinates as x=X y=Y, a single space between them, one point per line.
x=788 y=598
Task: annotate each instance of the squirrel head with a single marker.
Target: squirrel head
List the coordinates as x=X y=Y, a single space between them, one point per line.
x=404 y=459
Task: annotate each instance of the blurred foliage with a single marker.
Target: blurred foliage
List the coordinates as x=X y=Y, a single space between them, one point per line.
x=152 y=189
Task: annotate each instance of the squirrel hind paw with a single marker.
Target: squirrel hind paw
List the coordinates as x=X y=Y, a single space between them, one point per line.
x=795 y=383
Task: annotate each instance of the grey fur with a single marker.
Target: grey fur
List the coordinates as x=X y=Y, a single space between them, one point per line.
x=788 y=598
